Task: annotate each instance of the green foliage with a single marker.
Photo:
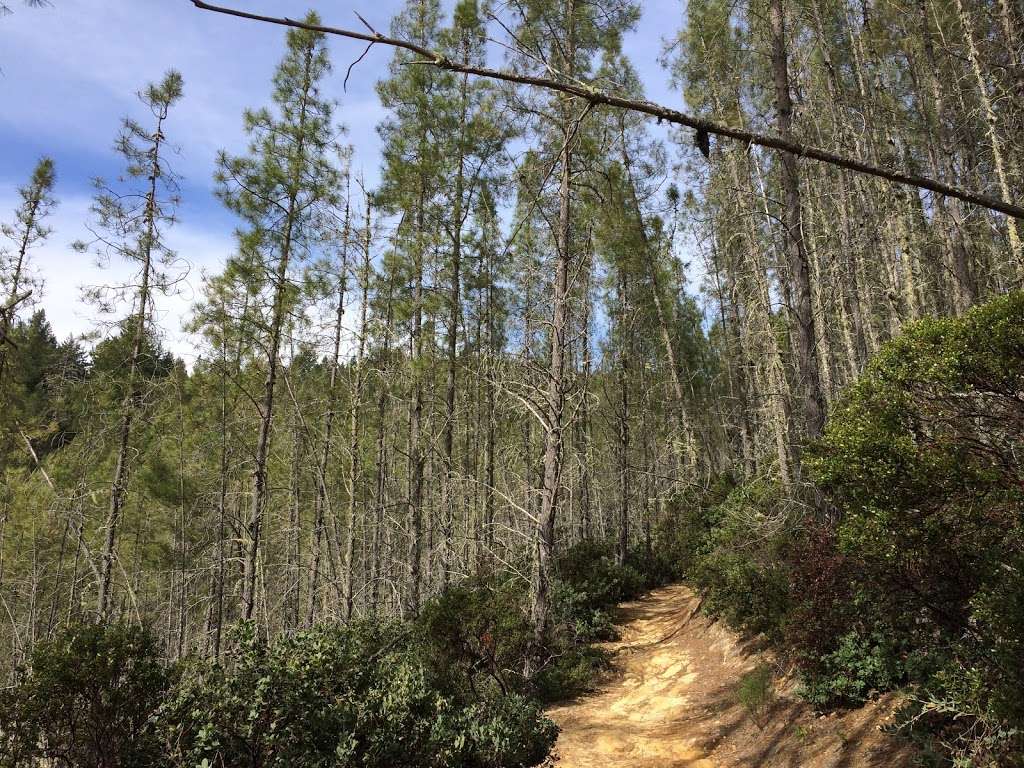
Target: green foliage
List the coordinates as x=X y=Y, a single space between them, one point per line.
x=370 y=694
x=480 y=632
x=857 y=669
x=741 y=563
x=510 y=731
x=683 y=536
x=588 y=584
x=923 y=458
x=86 y=701
x=367 y=694
x=589 y=570
x=954 y=716
x=923 y=454
x=920 y=581
x=291 y=160
x=756 y=692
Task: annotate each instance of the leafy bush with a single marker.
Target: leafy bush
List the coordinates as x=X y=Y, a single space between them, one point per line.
x=480 y=632
x=953 y=716
x=590 y=571
x=683 y=536
x=579 y=617
x=921 y=580
x=858 y=668
x=365 y=695
x=827 y=603
x=924 y=459
x=756 y=692
x=448 y=689
x=569 y=672
x=86 y=701
x=510 y=732
x=742 y=572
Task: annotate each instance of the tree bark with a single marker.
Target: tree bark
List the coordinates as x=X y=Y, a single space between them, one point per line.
x=553 y=429
x=415 y=419
x=802 y=311
x=130 y=403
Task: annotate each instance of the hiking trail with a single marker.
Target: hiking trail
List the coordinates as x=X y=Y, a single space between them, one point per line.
x=671 y=702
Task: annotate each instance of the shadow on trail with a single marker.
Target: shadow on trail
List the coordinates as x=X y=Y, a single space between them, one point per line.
x=671 y=702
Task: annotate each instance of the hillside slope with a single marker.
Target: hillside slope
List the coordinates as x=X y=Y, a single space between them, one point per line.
x=672 y=703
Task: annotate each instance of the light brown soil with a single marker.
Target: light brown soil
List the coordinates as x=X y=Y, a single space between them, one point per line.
x=672 y=703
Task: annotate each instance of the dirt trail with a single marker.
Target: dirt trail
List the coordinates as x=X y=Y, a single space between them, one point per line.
x=672 y=704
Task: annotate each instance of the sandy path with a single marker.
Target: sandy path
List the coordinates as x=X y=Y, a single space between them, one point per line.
x=672 y=704
x=639 y=719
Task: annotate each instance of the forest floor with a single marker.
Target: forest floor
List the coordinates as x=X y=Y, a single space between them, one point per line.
x=672 y=702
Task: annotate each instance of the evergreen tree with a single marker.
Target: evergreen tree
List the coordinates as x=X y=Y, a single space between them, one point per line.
x=412 y=176
x=131 y=225
x=566 y=34
x=27 y=231
x=281 y=190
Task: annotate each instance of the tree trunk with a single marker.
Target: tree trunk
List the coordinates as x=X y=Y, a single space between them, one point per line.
x=382 y=455
x=259 y=473
x=553 y=429
x=355 y=403
x=415 y=418
x=622 y=550
x=991 y=121
x=651 y=262
x=804 y=330
x=130 y=403
x=454 y=321
x=322 y=502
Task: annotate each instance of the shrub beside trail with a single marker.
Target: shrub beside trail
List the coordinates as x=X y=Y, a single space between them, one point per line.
x=918 y=581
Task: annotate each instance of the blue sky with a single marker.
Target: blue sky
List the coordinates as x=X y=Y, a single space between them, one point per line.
x=69 y=73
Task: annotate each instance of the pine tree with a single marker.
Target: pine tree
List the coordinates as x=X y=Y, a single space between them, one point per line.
x=26 y=232
x=566 y=34
x=412 y=176
x=131 y=225
x=281 y=190
x=469 y=125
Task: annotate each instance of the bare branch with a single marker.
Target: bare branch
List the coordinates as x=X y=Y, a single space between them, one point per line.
x=598 y=98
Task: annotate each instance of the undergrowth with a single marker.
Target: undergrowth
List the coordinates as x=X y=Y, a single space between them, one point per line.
x=461 y=686
x=905 y=569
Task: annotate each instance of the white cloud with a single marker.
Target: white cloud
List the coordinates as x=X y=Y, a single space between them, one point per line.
x=71 y=71
x=64 y=273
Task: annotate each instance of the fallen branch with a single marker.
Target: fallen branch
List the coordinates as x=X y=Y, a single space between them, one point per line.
x=596 y=97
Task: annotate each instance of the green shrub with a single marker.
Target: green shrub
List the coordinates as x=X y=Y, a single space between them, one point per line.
x=590 y=570
x=364 y=695
x=683 y=536
x=953 y=716
x=856 y=670
x=480 y=633
x=742 y=572
x=86 y=701
x=510 y=732
x=579 y=618
x=756 y=692
x=569 y=672
x=447 y=689
x=923 y=457
x=588 y=584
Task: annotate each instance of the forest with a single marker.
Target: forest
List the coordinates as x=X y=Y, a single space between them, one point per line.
x=440 y=426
